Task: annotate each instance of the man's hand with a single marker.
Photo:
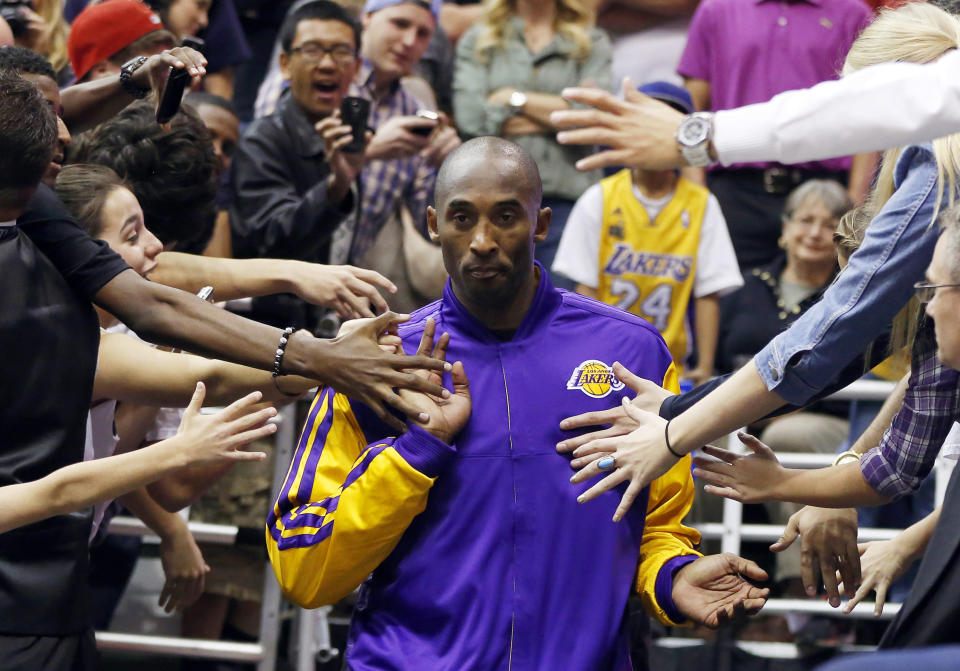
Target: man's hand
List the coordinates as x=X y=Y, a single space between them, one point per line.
x=393 y=138
x=640 y=131
x=154 y=73
x=347 y=290
x=184 y=569
x=355 y=365
x=746 y=478
x=713 y=590
x=640 y=457
x=828 y=549
x=443 y=140
x=447 y=416
x=344 y=167
x=649 y=397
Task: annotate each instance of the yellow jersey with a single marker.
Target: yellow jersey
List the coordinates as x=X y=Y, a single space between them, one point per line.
x=648 y=267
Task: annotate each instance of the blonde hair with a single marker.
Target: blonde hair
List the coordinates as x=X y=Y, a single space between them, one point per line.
x=53 y=44
x=915 y=33
x=574 y=20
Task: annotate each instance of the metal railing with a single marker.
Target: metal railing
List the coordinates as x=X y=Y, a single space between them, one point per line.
x=264 y=651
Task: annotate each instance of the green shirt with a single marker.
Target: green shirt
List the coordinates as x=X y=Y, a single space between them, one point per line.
x=513 y=65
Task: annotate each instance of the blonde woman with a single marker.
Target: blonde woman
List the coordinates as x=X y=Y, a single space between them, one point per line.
x=46 y=33
x=913 y=184
x=510 y=70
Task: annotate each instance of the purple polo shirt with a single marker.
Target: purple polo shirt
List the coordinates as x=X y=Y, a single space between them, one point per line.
x=751 y=50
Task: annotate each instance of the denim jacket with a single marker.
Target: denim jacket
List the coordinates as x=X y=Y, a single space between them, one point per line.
x=869 y=292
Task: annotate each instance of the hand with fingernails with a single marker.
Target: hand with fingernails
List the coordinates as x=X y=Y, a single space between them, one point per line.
x=615 y=420
x=639 y=457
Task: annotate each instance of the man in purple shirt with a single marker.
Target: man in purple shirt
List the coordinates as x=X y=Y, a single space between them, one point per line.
x=746 y=51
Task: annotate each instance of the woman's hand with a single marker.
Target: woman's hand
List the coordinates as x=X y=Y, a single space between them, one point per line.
x=881 y=563
x=184 y=569
x=347 y=290
x=750 y=478
x=218 y=438
x=649 y=397
x=640 y=457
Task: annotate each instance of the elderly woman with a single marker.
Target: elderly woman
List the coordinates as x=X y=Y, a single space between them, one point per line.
x=775 y=295
x=510 y=70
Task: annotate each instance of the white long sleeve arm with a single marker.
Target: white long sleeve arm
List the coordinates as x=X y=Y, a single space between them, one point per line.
x=882 y=106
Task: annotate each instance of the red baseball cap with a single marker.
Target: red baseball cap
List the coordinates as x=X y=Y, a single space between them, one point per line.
x=101 y=30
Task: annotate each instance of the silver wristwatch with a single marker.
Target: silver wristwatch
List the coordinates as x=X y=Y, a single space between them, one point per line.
x=693 y=138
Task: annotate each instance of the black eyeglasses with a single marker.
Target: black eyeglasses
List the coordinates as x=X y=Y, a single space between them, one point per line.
x=342 y=54
x=924 y=291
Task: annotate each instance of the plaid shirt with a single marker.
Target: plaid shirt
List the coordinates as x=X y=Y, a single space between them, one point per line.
x=389 y=184
x=905 y=455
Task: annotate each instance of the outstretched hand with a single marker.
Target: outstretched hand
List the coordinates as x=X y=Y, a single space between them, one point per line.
x=446 y=416
x=752 y=478
x=218 y=438
x=355 y=365
x=714 y=590
x=639 y=457
x=349 y=291
x=649 y=397
x=639 y=131
x=881 y=564
x=828 y=549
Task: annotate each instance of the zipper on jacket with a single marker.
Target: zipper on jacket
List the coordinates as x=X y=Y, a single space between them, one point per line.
x=513 y=613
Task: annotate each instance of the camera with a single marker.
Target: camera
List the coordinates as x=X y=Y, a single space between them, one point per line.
x=429 y=115
x=12 y=12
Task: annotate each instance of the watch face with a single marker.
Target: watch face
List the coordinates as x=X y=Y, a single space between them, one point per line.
x=693 y=131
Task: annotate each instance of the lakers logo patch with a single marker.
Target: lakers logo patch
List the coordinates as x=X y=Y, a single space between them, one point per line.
x=594 y=378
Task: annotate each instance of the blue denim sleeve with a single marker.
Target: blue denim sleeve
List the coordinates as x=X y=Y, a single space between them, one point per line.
x=869 y=292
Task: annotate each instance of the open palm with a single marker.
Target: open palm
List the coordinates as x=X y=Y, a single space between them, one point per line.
x=713 y=590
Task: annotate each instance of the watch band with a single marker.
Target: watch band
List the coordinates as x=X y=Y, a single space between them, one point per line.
x=126 y=78
x=693 y=138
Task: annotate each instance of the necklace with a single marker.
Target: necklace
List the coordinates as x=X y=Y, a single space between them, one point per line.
x=774 y=284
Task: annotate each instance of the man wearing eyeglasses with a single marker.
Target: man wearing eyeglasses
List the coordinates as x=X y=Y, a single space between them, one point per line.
x=294 y=182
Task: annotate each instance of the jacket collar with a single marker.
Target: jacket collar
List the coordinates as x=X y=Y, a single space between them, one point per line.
x=545 y=303
x=309 y=143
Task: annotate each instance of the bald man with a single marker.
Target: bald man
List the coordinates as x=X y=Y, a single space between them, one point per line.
x=469 y=542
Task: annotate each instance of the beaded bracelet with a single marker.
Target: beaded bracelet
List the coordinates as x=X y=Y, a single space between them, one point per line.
x=281 y=348
x=666 y=438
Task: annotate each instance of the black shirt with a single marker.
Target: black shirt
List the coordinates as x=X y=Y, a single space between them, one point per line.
x=49 y=336
x=86 y=264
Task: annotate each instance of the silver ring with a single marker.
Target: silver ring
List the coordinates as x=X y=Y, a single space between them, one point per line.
x=606 y=463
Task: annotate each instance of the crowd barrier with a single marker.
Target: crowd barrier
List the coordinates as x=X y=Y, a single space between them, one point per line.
x=310 y=638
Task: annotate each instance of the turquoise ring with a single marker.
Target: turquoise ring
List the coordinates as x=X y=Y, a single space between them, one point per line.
x=606 y=463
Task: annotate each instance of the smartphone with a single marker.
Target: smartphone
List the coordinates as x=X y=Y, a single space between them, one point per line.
x=354 y=112
x=206 y=294
x=177 y=82
x=424 y=131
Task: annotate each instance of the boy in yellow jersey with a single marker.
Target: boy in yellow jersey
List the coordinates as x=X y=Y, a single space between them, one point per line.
x=649 y=241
